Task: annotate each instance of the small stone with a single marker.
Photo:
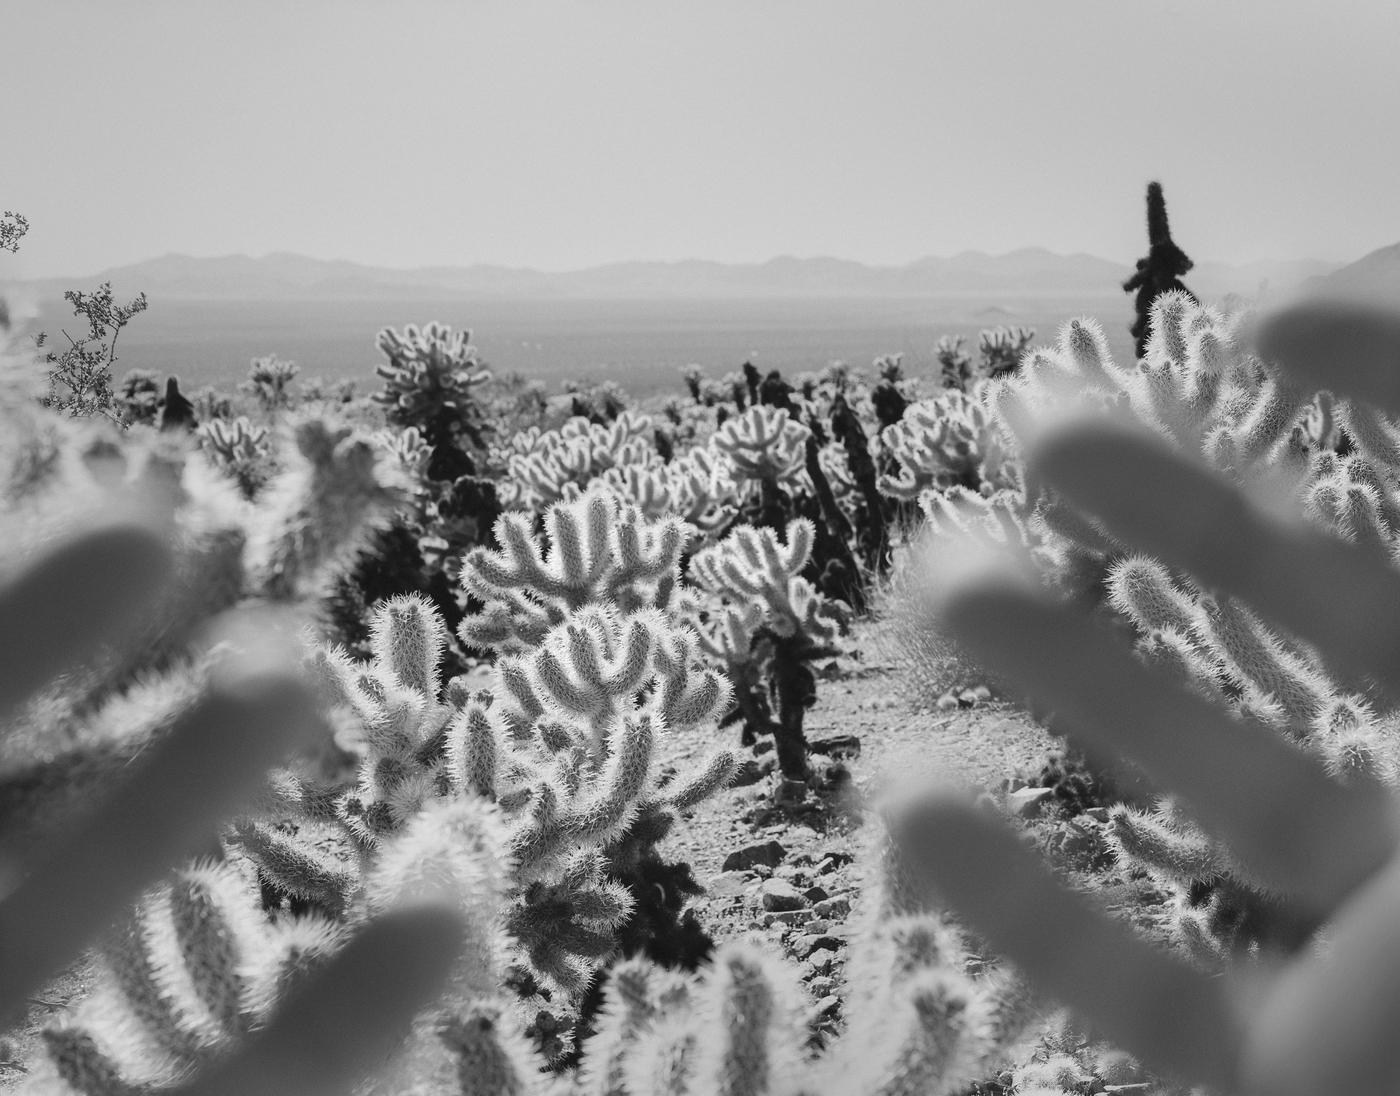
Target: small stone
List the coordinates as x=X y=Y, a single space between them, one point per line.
x=805 y=945
x=787 y=917
x=777 y=895
x=817 y=926
x=769 y=854
x=728 y=884
x=1028 y=802
x=835 y=746
x=821 y=986
x=829 y=1005
x=821 y=962
x=837 y=907
x=816 y=894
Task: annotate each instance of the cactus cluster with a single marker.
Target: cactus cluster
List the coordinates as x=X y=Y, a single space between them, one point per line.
x=544 y=466
x=591 y=669
x=951 y=440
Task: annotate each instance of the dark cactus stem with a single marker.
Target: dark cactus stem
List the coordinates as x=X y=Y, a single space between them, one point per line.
x=889 y=403
x=840 y=564
x=874 y=535
x=1160 y=271
x=795 y=690
x=751 y=707
x=773 y=506
x=752 y=379
x=665 y=446
x=178 y=412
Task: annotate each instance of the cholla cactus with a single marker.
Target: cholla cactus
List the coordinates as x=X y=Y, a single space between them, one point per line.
x=564 y=744
x=764 y=444
x=239 y=449
x=697 y=487
x=543 y=467
x=951 y=440
x=269 y=381
x=919 y=1023
x=315 y=515
x=593 y=550
x=410 y=449
x=954 y=363
x=1001 y=348
x=772 y=624
x=432 y=380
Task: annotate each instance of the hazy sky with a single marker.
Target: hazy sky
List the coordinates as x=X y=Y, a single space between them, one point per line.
x=559 y=135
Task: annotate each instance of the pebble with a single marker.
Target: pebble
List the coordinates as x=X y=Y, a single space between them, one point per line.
x=804 y=946
x=828 y=1006
x=778 y=894
x=816 y=894
x=1029 y=802
x=729 y=884
x=788 y=917
x=832 y=907
x=769 y=854
x=821 y=986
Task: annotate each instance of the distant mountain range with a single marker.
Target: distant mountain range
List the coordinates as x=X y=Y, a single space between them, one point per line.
x=1027 y=272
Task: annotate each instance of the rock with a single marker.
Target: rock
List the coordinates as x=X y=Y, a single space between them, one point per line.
x=821 y=962
x=787 y=917
x=817 y=926
x=1029 y=802
x=769 y=855
x=805 y=945
x=835 y=746
x=816 y=894
x=777 y=895
x=729 y=884
x=833 y=907
x=832 y=861
x=829 y=1005
x=821 y=986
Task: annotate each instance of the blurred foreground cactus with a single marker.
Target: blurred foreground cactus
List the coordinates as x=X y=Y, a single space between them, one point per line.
x=198 y=967
x=1287 y=774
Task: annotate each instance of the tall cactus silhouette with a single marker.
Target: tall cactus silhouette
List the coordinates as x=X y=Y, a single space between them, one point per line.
x=1160 y=271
